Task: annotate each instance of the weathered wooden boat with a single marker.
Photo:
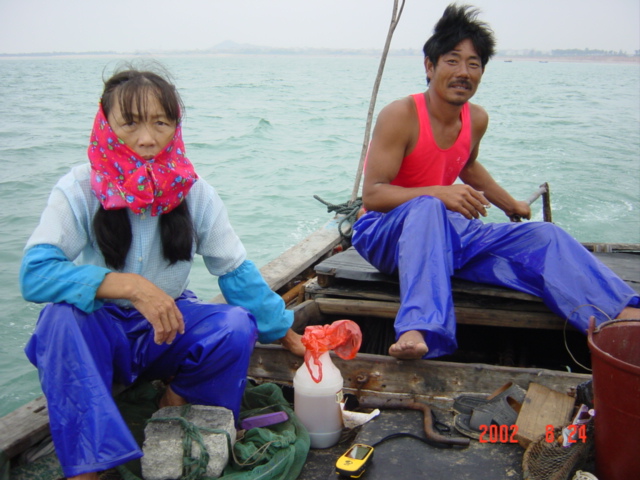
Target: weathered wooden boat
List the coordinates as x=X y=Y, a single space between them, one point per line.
x=505 y=336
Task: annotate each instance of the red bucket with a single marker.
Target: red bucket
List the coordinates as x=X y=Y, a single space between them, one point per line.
x=615 y=360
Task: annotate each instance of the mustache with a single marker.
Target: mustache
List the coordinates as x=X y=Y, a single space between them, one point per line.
x=461 y=82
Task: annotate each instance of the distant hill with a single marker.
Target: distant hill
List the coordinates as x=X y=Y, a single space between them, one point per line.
x=231 y=47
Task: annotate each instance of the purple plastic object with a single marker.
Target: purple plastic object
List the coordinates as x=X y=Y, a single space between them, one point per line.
x=264 y=420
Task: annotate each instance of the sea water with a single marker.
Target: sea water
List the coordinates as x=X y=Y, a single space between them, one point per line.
x=269 y=132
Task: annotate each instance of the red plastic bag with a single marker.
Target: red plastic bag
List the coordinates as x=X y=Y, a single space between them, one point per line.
x=344 y=337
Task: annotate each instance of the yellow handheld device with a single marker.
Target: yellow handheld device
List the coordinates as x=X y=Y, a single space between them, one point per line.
x=354 y=462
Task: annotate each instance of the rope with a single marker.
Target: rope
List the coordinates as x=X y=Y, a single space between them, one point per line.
x=194 y=468
x=259 y=454
x=564 y=330
x=348 y=209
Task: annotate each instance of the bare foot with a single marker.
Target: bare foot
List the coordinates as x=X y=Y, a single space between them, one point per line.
x=171 y=399
x=629 y=313
x=410 y=346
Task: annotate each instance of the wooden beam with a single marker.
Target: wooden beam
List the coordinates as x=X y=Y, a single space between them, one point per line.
x=326 y=284
x=301 y=256
x=24 y=427
x=432 y=381
x=612 y=247
x=464 y=315
x=305 y=314
x=356 y=307
x=505 y=318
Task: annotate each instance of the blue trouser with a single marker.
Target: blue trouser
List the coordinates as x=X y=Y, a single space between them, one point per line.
x=79 y=356
x=426 y=244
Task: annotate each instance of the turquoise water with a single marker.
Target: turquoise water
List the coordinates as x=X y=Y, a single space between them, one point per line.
x=271 y=131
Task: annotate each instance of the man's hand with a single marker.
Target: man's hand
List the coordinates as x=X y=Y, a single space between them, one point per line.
x=519 y=211
x=464 y=199
x=152 y=302
x=293 y=342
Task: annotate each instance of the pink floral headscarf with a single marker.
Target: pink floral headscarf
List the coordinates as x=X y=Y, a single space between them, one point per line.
x=121 y=178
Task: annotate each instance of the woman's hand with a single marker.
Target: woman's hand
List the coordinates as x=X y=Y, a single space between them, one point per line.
x=293 y=342
x=152 y=302
x=160 y=309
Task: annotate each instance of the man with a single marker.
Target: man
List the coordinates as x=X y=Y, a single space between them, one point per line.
x=427 y=229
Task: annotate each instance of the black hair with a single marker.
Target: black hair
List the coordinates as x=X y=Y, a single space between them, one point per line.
x=459 y=23
x=132 y=87
x=113 y=235
x=112 y=228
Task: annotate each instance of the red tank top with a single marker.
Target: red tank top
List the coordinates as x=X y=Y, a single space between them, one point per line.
x=428 y=164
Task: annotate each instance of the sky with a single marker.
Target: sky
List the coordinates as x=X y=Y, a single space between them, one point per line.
x=127 y=26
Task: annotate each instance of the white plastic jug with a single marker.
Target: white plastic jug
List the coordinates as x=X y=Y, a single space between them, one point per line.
x=317 y=405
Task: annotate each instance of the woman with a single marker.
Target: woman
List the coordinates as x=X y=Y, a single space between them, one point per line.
x=112 y=255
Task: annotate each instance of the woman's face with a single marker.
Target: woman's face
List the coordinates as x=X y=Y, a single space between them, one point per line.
x=148 y=132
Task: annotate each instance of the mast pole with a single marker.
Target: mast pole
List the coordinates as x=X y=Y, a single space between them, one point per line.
x=395 y=18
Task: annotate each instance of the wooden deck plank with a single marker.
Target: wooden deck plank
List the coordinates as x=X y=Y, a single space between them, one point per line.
x=542 y=407
x=301 y=256
x=464 y=315
x=350 y=267
x=24 y=427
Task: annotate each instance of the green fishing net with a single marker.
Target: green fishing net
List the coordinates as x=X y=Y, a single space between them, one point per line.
x=268 y=453
x=276 y=452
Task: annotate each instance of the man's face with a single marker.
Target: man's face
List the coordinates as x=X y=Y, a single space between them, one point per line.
x=457 y=74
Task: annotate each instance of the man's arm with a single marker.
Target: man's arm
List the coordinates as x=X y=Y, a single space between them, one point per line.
x=477 y=177
x=394 y=137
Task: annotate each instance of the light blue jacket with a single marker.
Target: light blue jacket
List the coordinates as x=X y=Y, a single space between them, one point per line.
x=63 y=263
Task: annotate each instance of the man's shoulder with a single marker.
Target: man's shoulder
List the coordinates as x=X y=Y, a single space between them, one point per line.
x=404 y=103
x=477 y=110
x=479 y=115
x=402 y=108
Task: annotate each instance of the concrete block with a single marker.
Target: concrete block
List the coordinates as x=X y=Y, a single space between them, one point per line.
x=163 y=449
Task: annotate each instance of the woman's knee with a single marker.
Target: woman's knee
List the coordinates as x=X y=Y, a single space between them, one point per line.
x=235 y=327
x=60 y=317
x=242 y=326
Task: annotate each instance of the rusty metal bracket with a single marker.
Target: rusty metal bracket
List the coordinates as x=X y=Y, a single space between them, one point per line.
x=409 y=403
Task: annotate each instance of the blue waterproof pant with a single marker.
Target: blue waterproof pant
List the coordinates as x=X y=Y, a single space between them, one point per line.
x=426 y=244
x=79 y=356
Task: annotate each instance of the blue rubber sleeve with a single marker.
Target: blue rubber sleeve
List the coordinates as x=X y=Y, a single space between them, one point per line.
x=47 y=275
x=245 y=287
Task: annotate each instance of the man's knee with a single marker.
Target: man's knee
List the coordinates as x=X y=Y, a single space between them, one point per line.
x=425 y=210
x=544 y=232
x=426 y=201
